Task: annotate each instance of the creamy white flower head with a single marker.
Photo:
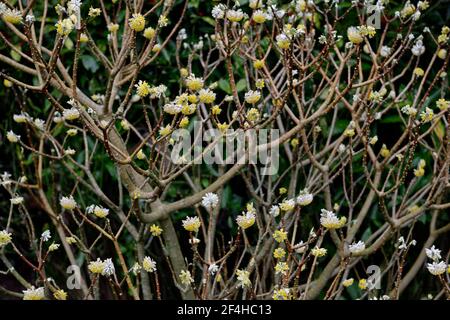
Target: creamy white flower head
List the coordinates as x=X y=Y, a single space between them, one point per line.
x=39 y=123
x=274 y=211
x=282 y=294
x=418 y=48
x=246 y=220
x=218 y=12
x=2 y=8
x=166 y=130
x=229 y=99
x=194 y=83
x=12 y=137
x=149 y=264
x=255 y=4
x=287 y=205
x=75 y=15
x=373 y=140
x=243 y=277
x=5 y=238
x=158 y=91
x=73 y=6
x=108 y=269
x=136 y=268
x=437 y=268
x=163 y=21
x=354 y=35
x=433 y=253
x=407 y=109
x=191 y=224
x=182 y=34
x=16 y=200
x=235 y=15
x=401 y=243
x=342 y=148
x=260 y=16
x=98 y=211
x=45 y=236
x=305 y=198
x=213 y=268
x=6 y=178
x=53 y=247
x=185 y=277
x=69 y=152
x=172 y=108
x=71 y=114
x=13 y=16
x=210 y=200
x=318 y=252
x=329 y=220
x=96 y=266
x=252 y=97
x=34 y=293
x=357 y=247
x=206 y=95
x=385 y=51
x=64 y=27
x=68 y=203
x=283 y=41
x=20 y=118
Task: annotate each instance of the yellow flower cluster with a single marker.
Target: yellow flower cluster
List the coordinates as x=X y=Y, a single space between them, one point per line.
x=420 y=171
x=281 y=268
x=385 y=152
x=185 y=277
x=279 y=253
x=193 y=83
x=149 y=33
x=192 y=224
x=97 y=266
x=206 y=96
x=348 y=282
x=64 y=27
x=282 y=294
x=280 y=235
x=137 y=22
x=13 y=16
x=60 y=295
x=443 y=104
x=155 y=230
x=5 y=238
x=319 y=252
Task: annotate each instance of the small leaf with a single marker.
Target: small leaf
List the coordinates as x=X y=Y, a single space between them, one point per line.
x=209 y=20
x=241 y=85
x=225 y=86
x=89 y=63
x=68 y=43
x=15 y=55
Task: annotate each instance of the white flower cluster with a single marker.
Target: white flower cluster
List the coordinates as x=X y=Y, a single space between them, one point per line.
x=436 y=267
x=357 y=247
x=210 y=201
x=105 y=268
x=98 y=211
x=329 y=220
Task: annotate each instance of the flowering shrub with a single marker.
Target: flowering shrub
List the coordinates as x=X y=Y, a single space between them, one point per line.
x=98 y=94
